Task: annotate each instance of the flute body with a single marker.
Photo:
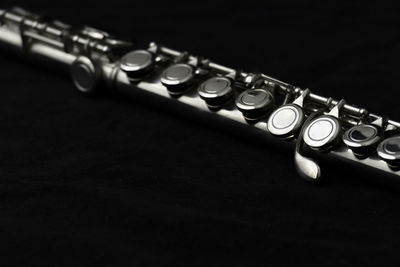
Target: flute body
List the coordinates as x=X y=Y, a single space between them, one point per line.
x=313 y=126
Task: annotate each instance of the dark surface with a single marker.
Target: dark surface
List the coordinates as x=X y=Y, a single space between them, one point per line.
x=111 y=182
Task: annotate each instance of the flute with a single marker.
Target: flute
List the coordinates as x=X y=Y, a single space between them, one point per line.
x=313 y=125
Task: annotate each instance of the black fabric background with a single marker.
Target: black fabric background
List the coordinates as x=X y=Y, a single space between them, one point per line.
x=110 y=181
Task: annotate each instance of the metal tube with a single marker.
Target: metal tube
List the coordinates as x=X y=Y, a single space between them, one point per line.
x=44 y=47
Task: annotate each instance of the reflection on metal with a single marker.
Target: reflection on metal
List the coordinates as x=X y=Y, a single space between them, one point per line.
x=303 y=119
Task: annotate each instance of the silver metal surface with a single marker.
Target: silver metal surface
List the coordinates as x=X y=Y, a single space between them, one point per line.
x=306 y=167
x=92 y=57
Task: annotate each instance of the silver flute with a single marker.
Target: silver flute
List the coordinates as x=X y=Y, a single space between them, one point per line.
x=313 y=126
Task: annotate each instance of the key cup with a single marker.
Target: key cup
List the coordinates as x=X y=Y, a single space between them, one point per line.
x=323 y=132
x=286 y=121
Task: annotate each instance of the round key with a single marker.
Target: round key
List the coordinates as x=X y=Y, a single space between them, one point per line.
x=216 y=91
x=362 y=139
x=137 y=63
x=178 y=78
x=84 y=75
x=389 y=150
x=286 y=121
x=322 y=133
x=254 y=103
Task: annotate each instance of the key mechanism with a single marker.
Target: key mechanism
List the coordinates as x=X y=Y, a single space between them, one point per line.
x=389 y=150
x=306 y=167
x=137 y=64
x=178 y=78
x=85 y=75
x=286 y=121
x=98 y=55
x=256 y=102
x=363 y=139
x=323 y=132
x=217 y=91
x=319 y=132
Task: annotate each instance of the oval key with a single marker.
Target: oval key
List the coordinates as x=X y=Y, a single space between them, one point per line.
x=85 y=75
x=216 y=91
x=389 y=150
x=254 y=103
x=286 y=120
x=362 y=139
x=137 y=63
x=322 y=133
x=178 y=78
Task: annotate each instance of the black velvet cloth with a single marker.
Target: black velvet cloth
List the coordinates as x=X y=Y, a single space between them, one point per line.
x=114 y=181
